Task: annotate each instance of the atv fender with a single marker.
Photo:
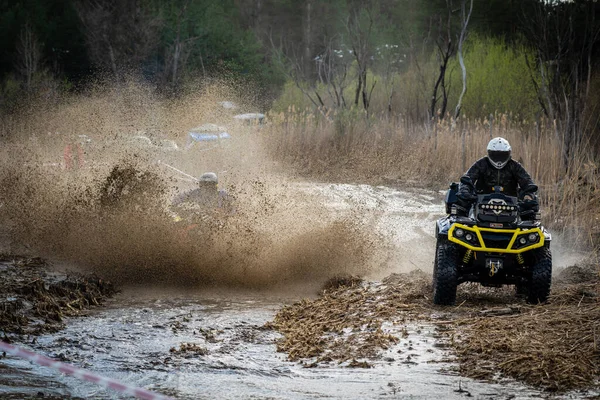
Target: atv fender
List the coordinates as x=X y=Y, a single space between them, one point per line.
x=547 y=235
x=442 y=226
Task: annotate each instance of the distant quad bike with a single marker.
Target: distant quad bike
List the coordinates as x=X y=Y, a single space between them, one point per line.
x=492 y=246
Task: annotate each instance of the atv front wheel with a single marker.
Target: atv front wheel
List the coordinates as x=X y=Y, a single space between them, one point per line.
x=445 y=274
x=541 y=277
x=521 y=289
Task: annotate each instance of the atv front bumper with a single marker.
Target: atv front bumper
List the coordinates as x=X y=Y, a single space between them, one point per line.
x=490 y=240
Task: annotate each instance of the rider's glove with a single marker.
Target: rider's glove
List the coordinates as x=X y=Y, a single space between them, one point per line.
x=466 y=196
x=466 y=190
x=528 y=207
x=465 y=200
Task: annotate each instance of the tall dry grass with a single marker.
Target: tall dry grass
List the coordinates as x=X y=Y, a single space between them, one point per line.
x=381 y=150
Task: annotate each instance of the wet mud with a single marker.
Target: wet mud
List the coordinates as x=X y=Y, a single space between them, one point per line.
x=35 y=300
x=220 y=345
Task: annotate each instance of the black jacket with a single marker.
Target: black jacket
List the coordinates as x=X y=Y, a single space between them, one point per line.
x=483 y=176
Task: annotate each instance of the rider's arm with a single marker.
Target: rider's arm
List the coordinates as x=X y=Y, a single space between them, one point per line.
x=468 y=180
x=181 y=198
x=526 y=185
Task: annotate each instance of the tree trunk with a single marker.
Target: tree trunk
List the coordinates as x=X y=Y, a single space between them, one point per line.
x=358 y=89
x=113 y=61
x=463 y=34
x=28 y=50
x=176 y=55
x=307 y=33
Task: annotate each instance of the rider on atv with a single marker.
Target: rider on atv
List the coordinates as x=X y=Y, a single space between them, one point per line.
x=497 y=169
x=493 y=234
x=202 y=200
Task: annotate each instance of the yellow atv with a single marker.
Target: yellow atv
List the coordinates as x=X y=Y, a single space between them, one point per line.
x=492 y=246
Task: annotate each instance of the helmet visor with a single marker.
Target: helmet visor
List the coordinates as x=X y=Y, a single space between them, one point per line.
x=499 y=157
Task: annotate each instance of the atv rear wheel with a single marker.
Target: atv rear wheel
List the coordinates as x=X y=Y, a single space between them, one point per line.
x=445 y=274
x=541 y=277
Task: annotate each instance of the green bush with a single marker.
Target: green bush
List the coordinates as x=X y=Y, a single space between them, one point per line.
x=498 y=79
x=290 y=98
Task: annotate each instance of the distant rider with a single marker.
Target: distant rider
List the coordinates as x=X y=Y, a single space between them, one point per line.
x=205 y=197
x=498 y=169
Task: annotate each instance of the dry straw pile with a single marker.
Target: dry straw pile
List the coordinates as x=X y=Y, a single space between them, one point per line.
x=491 y=334
x=554 y=346
x=345 y=323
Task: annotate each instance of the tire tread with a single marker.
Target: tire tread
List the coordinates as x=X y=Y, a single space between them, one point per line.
x=541 y=277
x=445 y=274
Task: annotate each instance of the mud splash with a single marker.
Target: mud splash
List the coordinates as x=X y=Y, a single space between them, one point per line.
x=86 y=190
x=119 y=226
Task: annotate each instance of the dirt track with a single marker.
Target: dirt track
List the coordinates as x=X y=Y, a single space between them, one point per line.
x=353 y=323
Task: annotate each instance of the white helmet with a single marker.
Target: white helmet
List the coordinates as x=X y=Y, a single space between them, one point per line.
x=209 y=177
x=499 y=152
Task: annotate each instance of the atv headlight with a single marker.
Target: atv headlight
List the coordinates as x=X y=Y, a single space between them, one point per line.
x=533 y=237
x=469 y=237
x=522 y=240
x=459 y=233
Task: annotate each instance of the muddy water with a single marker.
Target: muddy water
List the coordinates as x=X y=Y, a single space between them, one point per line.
x=130 y=341
x=137 y=337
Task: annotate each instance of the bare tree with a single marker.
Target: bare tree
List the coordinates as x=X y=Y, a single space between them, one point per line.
x=178 y=52
x=461 y=39
x=445 y=50
x=360 y=29
x=333 y=68
x=28 y=54
x=307 y=34
x=564 y=35
x=293 y=65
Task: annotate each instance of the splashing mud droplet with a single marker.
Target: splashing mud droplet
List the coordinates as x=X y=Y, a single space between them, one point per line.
x=110 y=213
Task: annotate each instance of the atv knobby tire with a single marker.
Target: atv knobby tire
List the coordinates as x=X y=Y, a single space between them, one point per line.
x=541 y=277
x=522 y=289
x=445 y=274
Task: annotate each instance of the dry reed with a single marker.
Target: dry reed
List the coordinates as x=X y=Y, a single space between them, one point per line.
x=345 y=322
x=491 y=334
x=554 y=347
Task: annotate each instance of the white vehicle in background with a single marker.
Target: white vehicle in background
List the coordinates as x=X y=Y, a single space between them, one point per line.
x=140 y=141
x=144 y=142
x=206 y=133
x=228 y=105
x=251 y=118
x=168 y=145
